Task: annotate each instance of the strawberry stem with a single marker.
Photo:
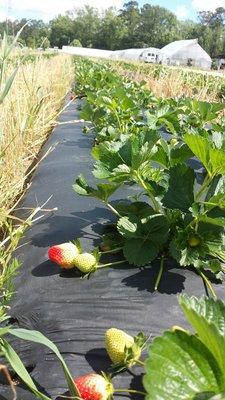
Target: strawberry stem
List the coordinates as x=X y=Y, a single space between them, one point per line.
x=109 y=264
x=129 y=391
x=208 y=283
x=111 y=251
x=160 y=273
x=113 y=209
x=142 y=363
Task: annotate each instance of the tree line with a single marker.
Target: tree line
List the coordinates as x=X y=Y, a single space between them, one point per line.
x=130 y=27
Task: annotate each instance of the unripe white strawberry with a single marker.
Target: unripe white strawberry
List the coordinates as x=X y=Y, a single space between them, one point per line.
x=116 y=341
x=85 y=262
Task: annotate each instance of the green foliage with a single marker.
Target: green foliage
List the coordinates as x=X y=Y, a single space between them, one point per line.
x=131 y=27
x=76 y=43
x=7 y=47
x=189 y=366
x=15 y=362
x=151 y=143
x=180 y=193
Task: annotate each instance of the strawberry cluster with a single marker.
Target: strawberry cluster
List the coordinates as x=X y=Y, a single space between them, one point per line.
x=69 y=255
x=124 y=352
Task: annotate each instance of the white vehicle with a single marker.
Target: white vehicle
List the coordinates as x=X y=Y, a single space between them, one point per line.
x=149 y=55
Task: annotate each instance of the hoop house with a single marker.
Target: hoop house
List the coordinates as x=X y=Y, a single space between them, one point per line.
x=185 y=52
x=86 y=51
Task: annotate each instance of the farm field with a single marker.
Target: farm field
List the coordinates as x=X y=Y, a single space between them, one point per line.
x=170 y=81
x=134 y=184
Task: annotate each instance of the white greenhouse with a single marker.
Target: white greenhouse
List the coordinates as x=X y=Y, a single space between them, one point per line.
x=180 y=52
x=148 y=54
x=86 y=51
x=185 y=52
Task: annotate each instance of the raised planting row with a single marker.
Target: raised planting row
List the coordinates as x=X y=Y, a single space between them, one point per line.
x=177 y=170
x=180 y=365
x=174 y=151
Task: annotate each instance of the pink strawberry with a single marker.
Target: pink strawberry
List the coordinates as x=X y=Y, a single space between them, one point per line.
x=94 y=387
x=63 y=254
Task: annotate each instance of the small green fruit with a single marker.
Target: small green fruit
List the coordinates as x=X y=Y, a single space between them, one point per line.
x=173 y=141
x=85 y=262
x=193 y=240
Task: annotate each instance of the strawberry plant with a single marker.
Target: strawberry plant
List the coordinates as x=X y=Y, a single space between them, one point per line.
x=178 y=211
x=185 y=365
x=116 y=105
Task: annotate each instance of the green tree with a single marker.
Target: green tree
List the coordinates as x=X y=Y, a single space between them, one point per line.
x=112 y=31
x=76 y=43
x=44 y=42
x=214 y=24
x=158 y=26
x=32 y=32
x=61 y=31
x=85 y=25
x=130 y=16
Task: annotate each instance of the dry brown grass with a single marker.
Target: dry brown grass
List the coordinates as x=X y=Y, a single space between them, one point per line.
x=26 y=118
x=170 y=82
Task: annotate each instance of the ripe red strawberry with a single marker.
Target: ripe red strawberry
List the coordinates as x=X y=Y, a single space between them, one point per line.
x=94 y=387
x=63 y=254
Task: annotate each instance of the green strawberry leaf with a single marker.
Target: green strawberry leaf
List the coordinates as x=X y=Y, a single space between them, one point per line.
x=181 y=367
x=103 y=191
x=127 y=226
x=179 y=154
x=140 y=252
x=216 y=187
x=180 y=194
x=112 y=240
x=207 y=317
x=143 y=237
x=212 y=159
x=139 y=209
x=214 y=221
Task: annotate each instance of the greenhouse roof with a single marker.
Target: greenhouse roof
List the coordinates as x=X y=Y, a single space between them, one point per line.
x=178 y=45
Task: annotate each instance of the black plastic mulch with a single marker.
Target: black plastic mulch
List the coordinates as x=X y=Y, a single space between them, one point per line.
x=75 y=313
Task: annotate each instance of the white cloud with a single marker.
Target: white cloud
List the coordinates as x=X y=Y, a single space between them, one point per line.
x=3 y=15
x=182 y=12
x=48 y=9
x=210 y=5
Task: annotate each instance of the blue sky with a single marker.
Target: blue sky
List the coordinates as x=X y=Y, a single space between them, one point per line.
x=48 y=9
x=184 y=8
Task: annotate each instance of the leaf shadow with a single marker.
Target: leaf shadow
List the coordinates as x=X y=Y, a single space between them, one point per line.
x=136 y=384
x=48 y=268
x=98 y=359
x=172 y=282
x=59 y=229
